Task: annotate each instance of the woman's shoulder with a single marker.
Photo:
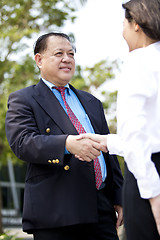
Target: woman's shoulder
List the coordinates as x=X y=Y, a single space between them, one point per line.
x=145 y=56
x=141 y=58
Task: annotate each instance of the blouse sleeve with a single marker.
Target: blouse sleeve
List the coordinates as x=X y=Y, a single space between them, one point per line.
x=137 y=89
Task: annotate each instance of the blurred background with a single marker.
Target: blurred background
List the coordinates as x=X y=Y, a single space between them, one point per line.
x=95 y=27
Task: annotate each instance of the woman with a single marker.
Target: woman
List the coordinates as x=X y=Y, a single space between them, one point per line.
x=138 y=120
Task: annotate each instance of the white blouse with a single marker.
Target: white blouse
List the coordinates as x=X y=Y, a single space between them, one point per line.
x=138 y=117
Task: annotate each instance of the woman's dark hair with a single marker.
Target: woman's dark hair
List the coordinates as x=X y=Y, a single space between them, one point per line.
x=41 y=43
x=146 y=13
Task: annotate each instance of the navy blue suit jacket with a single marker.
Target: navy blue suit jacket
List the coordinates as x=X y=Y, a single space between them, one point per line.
x=59 y=189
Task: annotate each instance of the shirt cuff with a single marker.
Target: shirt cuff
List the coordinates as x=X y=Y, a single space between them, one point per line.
x=115 y=144
x=149 y=187
x=66 y=151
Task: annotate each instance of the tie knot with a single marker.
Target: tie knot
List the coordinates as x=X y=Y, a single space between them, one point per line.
x=60 y=89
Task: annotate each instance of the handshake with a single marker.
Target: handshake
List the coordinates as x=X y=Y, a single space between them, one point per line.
x=87 y=146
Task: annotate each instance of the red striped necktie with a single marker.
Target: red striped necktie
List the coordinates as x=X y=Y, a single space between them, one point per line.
x=80 y=129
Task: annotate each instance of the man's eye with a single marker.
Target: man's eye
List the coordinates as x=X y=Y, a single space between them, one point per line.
x=59 y=54
x=71 y=54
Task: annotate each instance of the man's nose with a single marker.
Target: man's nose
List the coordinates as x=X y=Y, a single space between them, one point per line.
x=65 y=58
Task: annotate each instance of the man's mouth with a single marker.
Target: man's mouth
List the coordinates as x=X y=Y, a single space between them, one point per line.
x=65 y=68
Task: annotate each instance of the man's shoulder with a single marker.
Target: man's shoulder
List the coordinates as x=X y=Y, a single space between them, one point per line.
x=23 y=91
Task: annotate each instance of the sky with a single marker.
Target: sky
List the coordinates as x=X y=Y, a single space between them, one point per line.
x=98 y=32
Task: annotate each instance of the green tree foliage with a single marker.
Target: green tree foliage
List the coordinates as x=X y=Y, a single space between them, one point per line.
x=7 y=236
x=88 y=77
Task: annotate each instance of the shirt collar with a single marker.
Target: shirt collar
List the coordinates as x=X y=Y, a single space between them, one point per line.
x=51 y=85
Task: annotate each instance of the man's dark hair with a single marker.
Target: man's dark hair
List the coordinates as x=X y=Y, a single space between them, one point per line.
x=146 y=13
x=41 y=43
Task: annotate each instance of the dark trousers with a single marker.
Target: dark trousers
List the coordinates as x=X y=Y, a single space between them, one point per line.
x=103 y=230
x=138 y=218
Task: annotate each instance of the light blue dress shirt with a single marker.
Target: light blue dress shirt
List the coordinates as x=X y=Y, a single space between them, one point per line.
x=80 y=113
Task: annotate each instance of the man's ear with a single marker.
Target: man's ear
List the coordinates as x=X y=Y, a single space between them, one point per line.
x=38 y=59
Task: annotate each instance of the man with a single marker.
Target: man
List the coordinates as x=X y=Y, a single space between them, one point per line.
x=62 y=197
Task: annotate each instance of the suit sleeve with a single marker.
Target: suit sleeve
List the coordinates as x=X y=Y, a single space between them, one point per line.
x=24 y=136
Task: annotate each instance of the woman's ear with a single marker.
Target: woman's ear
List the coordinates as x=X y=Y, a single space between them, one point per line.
x=137 y=27
x=38 y=59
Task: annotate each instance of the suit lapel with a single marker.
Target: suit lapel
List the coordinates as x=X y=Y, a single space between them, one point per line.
x=53 y=108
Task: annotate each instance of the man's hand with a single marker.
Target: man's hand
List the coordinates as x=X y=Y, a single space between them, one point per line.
x=155 y=206
x=119 y=211
x=86 y=149
x=101 y=139
x=100 y=142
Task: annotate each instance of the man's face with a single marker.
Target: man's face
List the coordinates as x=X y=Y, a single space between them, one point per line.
x=57 y=63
